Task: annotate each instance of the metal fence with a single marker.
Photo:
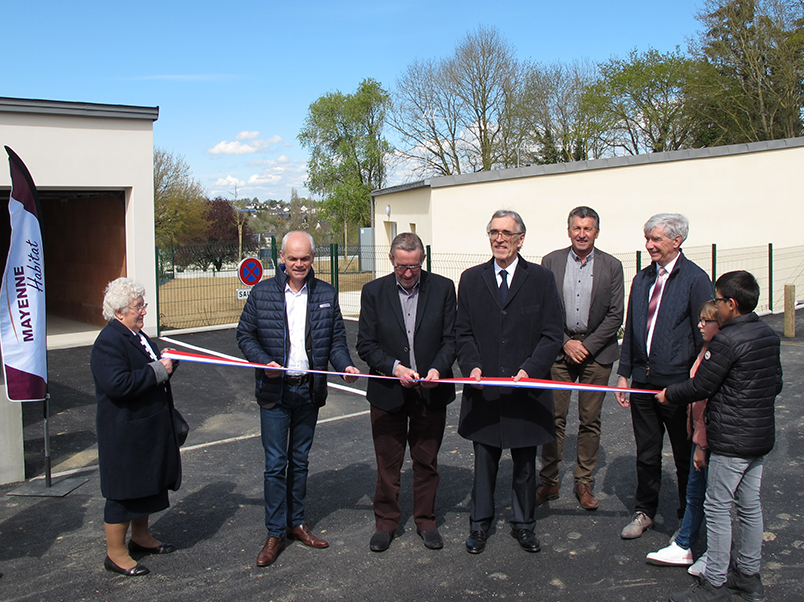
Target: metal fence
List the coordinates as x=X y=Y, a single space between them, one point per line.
x=193 y=296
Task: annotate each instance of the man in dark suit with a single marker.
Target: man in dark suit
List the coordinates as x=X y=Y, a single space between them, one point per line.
x=660 y=343
x=508 y=325
x=407 y=321
x=590 y=287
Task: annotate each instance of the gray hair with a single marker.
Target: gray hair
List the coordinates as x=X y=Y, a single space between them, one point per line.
x=407 y=241
x=584 y=212
x=118 y=296
x=307 y=234
x=507 y=213
x=674 y=224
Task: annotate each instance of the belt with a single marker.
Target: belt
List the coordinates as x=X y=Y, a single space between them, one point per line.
x=577 y=337
x=295 y=381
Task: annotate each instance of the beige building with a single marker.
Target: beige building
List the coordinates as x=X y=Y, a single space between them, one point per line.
x=734 y=196
x=93 y=168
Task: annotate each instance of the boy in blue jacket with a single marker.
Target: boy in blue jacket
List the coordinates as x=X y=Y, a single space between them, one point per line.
x=741 y=374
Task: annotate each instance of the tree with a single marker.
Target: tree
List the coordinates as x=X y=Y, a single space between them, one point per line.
x=461 y=114
x=221 y=237
x=750 y=70
x=639 y=103
x=344 y=133
x=179 y=201
x=559 y=127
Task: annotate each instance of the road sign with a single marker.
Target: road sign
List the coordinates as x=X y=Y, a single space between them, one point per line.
x=250 y=271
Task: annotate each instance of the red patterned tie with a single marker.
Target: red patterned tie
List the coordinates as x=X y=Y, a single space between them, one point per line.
x=654 y=298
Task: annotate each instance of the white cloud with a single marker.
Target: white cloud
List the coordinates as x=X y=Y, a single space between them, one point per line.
x=247 y=135
x=229 y=181
x=253 y=144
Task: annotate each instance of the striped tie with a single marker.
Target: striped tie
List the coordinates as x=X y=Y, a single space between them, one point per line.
x=654 y=298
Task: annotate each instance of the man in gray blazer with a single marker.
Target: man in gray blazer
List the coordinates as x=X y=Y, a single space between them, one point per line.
x=590 y=286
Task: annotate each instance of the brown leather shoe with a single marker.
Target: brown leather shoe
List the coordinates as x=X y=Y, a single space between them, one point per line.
x=583 y=491
x=271 y=549
x=303 y=534
x=545 y=492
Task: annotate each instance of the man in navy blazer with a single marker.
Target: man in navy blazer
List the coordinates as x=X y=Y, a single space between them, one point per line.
x=407 y=319
x=590 y=287
x=508 y=325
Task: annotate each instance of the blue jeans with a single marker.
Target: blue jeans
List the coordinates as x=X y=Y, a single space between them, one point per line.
x=694 y=512
x=287 y=436
x=733 y=481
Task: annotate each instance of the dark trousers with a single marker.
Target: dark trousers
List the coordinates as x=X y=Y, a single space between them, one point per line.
x=523 y=487
x=589 y=406
x=422 y=429
x=650 y=420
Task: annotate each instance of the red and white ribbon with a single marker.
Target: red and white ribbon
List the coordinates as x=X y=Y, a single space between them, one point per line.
x=527 y=383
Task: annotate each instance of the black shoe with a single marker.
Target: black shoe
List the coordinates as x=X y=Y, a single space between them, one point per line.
x=162 y=548
x=703 y=591
x=476 y=542
x=135 y=572
x=380 y=541
x=527 y=539
x=748 y=587
x=432 y=539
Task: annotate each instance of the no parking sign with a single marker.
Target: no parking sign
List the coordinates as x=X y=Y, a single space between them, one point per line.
x=249 y=270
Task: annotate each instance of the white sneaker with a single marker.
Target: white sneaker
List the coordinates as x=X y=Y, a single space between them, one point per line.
x=672 y=555
x=698 y=569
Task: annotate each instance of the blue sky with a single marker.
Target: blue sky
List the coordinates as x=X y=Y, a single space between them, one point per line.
x=233 y=80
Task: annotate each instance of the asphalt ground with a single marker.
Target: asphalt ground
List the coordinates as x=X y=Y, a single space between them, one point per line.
x=53 y=548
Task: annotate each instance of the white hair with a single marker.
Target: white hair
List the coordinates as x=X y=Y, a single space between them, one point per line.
x=118 y=296
x=674 y=224
x=307 y=234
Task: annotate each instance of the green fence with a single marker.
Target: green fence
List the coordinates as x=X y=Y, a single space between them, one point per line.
x=198 y=285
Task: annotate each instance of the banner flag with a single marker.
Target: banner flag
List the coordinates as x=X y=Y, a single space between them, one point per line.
x=23 y=328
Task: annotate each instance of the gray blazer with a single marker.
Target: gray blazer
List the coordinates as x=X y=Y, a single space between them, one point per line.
x=606 y=308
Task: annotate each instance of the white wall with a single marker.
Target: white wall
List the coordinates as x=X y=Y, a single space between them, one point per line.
x=734 y=200
x=65 y=152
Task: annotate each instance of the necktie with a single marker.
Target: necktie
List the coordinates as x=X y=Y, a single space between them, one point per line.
x=654 y=298
x=503 y=286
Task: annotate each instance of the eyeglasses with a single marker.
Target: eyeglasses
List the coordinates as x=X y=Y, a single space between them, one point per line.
x=704 y=321
x=404 y=268
x=139 y=308
x=506 y=234
x=716 y=299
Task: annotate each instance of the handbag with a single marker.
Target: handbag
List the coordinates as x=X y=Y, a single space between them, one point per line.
x=181 y=426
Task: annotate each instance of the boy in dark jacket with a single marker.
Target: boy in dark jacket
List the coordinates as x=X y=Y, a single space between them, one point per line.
x=741 y=374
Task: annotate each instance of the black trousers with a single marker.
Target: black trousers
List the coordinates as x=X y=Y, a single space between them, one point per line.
x=650 y=420
x=523 y=487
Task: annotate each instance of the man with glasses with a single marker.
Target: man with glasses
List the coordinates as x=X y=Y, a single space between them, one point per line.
x=660 y=343
x=508 y=325
x=292 y=321
x=590 y=287
x=406 y=328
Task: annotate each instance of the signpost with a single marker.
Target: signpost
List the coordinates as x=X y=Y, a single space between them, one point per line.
x=250 y=271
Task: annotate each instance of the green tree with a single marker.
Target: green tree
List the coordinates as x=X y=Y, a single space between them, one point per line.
x=639 y=103
x=344 y=134
x=750 y=72
x=179 y=201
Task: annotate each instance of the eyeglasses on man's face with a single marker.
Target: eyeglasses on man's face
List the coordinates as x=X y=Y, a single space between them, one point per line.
x=404 y=268
x=506 y=234
x=716 y=300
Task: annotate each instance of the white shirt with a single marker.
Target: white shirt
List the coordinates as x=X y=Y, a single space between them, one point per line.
x=669 y=268
x=509 y=270
x=296 y=309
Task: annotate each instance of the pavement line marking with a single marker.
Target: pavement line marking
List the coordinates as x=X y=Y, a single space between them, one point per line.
x=335 y=418
x=230 y=357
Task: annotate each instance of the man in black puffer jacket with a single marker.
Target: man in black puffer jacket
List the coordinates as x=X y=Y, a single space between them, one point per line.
x=741 y=375
x=292 y=321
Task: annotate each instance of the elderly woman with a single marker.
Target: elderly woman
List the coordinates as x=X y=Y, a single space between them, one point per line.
x=138 y=450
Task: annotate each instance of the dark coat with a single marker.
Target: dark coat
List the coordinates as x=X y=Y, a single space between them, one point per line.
x=524 y=334
x=262 y=335
x=382 y=339
x=676 y=338
x=138 y=452
x=606 y=310
x=741 y=374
